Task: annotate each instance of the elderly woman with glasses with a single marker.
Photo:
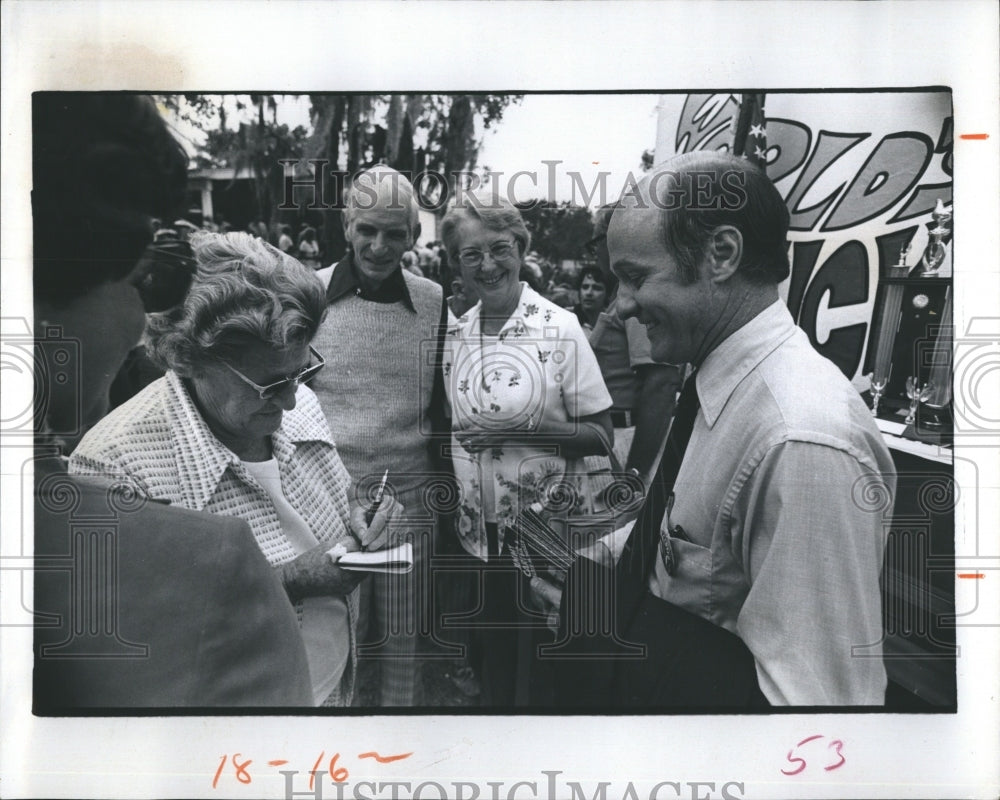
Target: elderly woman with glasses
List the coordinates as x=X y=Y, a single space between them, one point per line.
x=526 y=396
x=232 y=429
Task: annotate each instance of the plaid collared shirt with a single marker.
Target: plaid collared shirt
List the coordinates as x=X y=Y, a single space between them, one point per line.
x=159 y=441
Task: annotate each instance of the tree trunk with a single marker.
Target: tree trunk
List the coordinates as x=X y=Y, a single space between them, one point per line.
x=459 y=138
x=334 y=243
x=393 y=127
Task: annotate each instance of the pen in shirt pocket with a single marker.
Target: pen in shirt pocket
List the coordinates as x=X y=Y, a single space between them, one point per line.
x=675 y=531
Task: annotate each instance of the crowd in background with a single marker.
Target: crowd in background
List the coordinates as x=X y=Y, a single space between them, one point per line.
x=562 y=284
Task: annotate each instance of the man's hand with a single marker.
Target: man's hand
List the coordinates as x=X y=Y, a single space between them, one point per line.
x=314 y=574
x=376 y=535
x=547 y=596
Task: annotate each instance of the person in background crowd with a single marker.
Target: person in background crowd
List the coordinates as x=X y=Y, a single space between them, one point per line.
x=762 y=575
x=563 y=295
x=202 y=627
x=643 y=390
x=532 y=273
x=164 y=233
x=592 y=288
x=411 y=263
x=285 y=242
x=231 y=418
x=461 y=300
x=309 y=253
x=184 y=229
x=385 y=402
x=429 y=263
x=519 y=412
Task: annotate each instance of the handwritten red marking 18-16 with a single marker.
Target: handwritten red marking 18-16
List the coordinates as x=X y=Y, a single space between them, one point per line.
x=834 y=760
x=241 y=766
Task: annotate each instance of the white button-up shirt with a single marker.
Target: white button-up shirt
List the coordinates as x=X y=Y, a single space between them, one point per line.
x=785 y=498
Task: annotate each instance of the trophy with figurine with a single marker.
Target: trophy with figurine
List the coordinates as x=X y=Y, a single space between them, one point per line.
x=877 y=387
x=918 y=394
x=935 y=253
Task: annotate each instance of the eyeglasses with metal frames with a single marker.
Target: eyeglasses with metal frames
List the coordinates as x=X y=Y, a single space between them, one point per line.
x=499 y=251
x=304 y=375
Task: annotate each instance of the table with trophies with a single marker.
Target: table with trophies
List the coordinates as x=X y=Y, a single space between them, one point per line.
x=909 y=373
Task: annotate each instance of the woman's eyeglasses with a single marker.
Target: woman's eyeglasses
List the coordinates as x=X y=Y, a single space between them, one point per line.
x=163 y=275
x=499 y=251
x=304 y=375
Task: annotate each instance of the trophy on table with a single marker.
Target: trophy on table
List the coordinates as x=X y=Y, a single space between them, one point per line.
x=878 y=386
x=918 y=394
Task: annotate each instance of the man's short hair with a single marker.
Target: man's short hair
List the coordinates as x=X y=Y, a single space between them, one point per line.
x=697 y=192
x=381 y=187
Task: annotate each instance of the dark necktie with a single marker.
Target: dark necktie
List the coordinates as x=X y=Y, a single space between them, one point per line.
x=642 y=546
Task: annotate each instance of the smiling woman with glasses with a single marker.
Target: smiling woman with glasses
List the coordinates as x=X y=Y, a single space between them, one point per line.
x=232 y=429
x=527 y=399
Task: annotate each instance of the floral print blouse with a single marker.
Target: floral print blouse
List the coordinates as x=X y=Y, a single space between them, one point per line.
x=540 y=367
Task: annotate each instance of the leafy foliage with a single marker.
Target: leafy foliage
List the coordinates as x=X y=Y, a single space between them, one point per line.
x=558 y=230
x=412 y=133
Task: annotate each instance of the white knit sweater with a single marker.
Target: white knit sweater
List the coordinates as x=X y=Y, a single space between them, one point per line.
x=376 y=387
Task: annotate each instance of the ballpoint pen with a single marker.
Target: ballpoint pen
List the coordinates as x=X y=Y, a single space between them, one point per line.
x=370 y=513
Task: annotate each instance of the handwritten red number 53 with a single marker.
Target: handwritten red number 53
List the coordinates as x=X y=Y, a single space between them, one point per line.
x=836 y=758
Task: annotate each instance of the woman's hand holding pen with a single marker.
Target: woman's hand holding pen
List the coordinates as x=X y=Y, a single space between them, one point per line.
x=375 y=535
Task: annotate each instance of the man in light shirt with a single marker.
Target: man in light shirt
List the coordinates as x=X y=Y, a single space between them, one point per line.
x=777 y=524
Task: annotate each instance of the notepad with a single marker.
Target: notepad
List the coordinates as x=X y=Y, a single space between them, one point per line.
x=395 y=561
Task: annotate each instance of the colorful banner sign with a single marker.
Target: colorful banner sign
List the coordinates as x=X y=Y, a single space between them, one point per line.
x=861 y=174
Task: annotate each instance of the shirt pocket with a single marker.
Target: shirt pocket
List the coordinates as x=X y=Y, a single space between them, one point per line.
x=690 y=585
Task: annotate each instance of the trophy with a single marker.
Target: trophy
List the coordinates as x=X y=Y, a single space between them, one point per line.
x=878 y=385
x=917 y=394
x=910 y=352
x=934 y=253
x=900 y=269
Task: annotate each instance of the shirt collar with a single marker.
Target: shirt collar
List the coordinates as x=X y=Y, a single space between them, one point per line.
x=531 y=315
x=202 y=459
x=345 y=281
x=728 y=364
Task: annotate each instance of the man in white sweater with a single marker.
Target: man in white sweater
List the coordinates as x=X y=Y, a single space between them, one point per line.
x=383 y=397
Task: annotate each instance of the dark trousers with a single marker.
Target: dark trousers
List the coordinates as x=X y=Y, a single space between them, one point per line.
x=690 y=663
x=507 y=636
x=622 y=648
